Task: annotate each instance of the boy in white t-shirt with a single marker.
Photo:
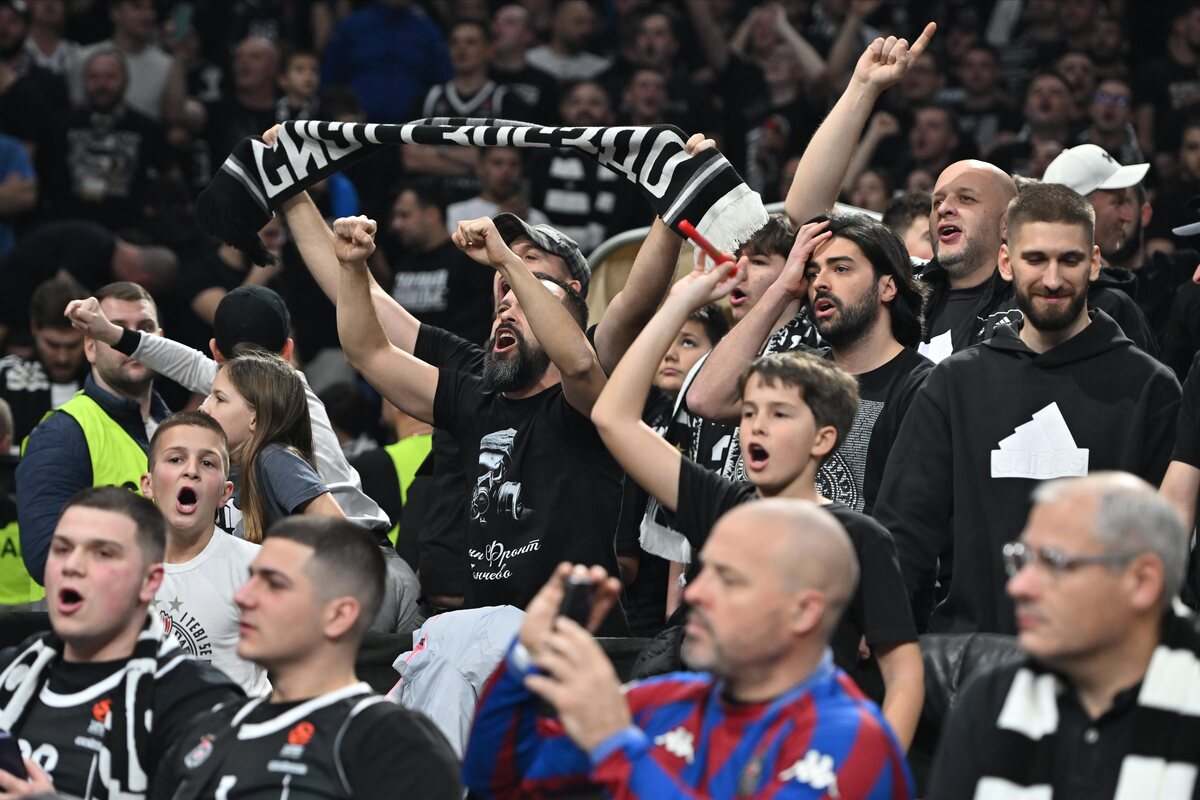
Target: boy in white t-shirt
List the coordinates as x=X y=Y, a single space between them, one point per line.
x=188 y=481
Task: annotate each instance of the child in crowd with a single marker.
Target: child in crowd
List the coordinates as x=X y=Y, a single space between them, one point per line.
x=202 y=567
x=796 y=409
x=259 y=400
x=648 y=599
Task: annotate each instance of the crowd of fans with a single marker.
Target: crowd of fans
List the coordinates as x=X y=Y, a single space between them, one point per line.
x=814 y=472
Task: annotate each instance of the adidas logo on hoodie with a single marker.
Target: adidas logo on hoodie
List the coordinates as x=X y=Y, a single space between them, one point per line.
x=1040 y=449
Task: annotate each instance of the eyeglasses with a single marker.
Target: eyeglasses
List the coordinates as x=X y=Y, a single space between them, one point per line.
x=1017 y=555
x=1112 y=99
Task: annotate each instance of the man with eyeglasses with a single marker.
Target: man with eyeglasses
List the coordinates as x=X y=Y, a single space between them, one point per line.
x=1104 y=702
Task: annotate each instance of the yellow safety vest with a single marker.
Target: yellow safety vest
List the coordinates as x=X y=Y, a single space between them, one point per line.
x=117 y=458
x=407 y=456
x=16 y=587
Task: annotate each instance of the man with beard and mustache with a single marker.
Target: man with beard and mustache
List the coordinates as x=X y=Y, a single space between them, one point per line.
x=98 y=438
x=765 y=714
x=532 y=457
x=866 y=305
x=1061 y=392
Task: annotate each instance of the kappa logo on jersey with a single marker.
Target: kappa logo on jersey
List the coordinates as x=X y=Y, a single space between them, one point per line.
x=679 y=743
x=200 y=753
x=1041 y=449
x=815 y=770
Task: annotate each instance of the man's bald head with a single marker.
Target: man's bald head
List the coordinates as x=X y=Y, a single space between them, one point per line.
x=966 y=219
x=805 y=544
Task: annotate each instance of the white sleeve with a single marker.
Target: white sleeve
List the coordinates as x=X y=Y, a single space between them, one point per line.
x=189 y=368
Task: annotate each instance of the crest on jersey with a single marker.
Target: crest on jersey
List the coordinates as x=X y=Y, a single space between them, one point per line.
x=199 y=753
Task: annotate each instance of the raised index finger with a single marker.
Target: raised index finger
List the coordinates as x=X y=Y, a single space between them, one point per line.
x=922 y=41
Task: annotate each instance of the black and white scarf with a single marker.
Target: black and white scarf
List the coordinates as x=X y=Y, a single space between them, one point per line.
x=255 y=180
x=125 y=755
x=1162 y=763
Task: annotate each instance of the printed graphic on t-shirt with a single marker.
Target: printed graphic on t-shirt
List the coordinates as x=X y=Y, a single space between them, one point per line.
x=494 y=497
x=840 y=478
x=184 y=627
x=422 y=291
x=1041 y=449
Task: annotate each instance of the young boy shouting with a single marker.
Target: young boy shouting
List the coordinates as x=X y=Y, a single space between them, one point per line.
x=796 y=408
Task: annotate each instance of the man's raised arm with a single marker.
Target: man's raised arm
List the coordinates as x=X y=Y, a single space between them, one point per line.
x=556 y=330
x=648 y=458
x=407 y=382
x=647 y=284
x=819 y=175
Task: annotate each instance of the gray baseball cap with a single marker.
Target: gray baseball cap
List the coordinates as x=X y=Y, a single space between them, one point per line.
x=549 y=239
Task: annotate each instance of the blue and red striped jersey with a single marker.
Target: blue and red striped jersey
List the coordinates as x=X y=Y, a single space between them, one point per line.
x=820 y=739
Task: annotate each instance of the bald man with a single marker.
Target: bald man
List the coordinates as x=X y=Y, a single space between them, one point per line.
x=969 y=296
x=766 y=714
x=1103 y=703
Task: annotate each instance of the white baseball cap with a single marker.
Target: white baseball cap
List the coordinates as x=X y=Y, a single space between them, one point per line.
x=1087 y=167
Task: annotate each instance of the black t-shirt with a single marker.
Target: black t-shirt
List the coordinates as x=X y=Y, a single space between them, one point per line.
x=884 y=395
x=1187 y=429
x=62 y=734
x=645 y=599
x=543 y=487
x=879 y=610
x=442 y=529
x=110 y=160
x=348 y=743
x=444 y=288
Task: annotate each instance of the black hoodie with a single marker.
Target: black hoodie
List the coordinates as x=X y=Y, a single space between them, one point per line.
x=1113 y=292
x=939 y=498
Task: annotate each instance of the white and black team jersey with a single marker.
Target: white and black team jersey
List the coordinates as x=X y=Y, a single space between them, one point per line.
x=350 y=743
x=63 y=729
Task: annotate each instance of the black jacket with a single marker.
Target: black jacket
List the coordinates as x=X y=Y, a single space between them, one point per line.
x=939 y=498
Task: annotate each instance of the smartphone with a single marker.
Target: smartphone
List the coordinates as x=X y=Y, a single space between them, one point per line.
x=10 y=756
x=577 y=600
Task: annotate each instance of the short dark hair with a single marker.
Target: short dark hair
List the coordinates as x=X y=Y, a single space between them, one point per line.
x=345 y=561
x=773 y=239
x=480 y=25
x=290 y=54
x=195 y=419
x=128 y=291
x=150 y=524
x=574 y=300
x=905 y=208
x=50 y=300
x=829 y=391
x=885 y=250
x=428 y=193
x=713 y=320
x=1050 y=202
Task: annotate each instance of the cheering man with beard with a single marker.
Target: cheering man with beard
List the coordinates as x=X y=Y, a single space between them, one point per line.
x=535 y=460
x=865 y=303
x=1060 y=393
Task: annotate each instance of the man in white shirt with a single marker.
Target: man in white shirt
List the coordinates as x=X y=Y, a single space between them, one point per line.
x=188 y=481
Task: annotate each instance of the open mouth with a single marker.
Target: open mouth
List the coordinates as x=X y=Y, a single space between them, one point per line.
x=824 y=306
x=949 y=233
x=69 y=600
x=186 y=501
x=756 y=456
x=505 y=340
